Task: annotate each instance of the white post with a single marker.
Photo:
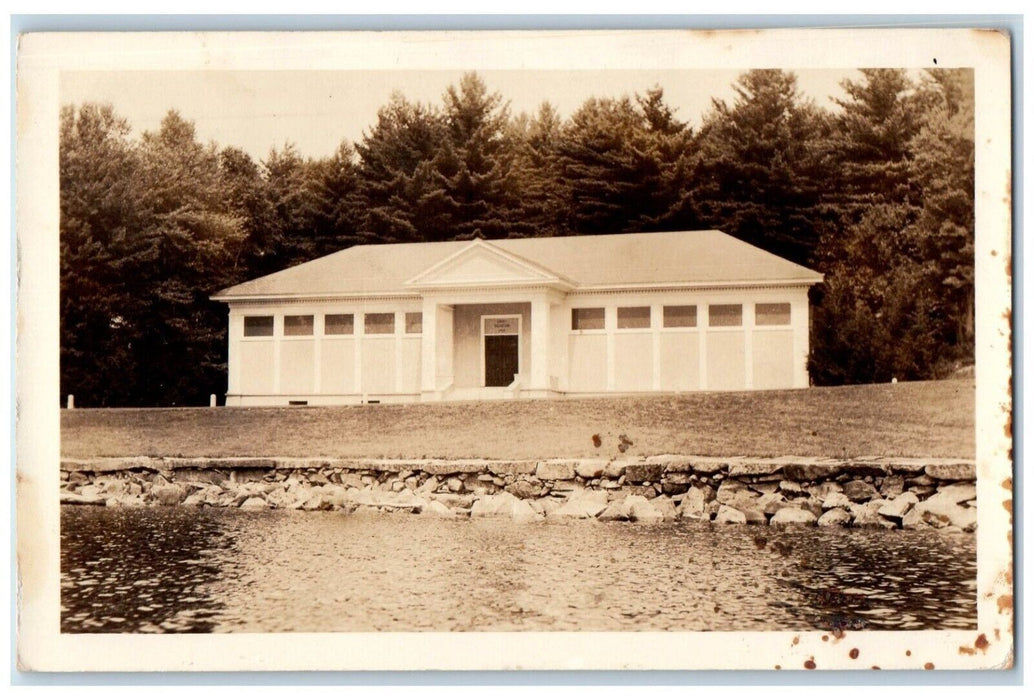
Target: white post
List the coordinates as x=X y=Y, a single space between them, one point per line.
x=212 y=403
x=540 y=344
x=429 y=350
x=70 y=402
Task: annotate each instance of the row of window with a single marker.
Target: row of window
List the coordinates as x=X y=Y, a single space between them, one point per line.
x=333 y=324
x=682 y=316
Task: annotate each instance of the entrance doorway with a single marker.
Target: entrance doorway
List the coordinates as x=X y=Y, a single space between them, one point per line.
x=501 y=349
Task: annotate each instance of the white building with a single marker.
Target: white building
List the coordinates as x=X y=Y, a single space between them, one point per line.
x=527 y=318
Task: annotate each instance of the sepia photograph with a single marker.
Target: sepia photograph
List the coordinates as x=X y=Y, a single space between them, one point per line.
x=546 y=332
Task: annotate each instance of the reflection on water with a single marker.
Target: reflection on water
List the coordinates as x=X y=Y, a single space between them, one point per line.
x=216 y=570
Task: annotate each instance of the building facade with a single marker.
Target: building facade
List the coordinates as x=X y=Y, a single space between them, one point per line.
x=520 y=318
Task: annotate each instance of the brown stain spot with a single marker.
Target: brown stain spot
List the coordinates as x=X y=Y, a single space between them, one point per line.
x=778 y=667
x=875 y=668
x=1004 y=603
x=908 y=652
x=968 y=651
x=998 y=634
x=795 y=641
x=1007 y=504
x=1007 y=484
x=825 y=637
x=928 y=666
x=596 y=440
x=853 y=653
x=810 y=664
x=981 y=643
x=994 y=253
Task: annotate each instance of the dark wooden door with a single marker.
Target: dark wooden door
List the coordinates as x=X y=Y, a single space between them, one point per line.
x=500 y=359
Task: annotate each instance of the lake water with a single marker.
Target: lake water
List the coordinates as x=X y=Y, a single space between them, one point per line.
x=223 y=570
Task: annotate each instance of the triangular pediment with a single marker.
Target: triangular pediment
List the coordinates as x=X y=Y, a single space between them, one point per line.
x=482 y=264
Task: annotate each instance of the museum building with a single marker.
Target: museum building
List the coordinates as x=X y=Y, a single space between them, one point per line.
x=520 y=318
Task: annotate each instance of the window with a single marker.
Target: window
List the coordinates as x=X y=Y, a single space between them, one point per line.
x=380 y=324
x=633 y=317
x=586 y=319
x=297 y=325
x=772 y=314
x=258 y=325
x=339 y=324
x=414 y=322
x=680 y=316
x=725 y=315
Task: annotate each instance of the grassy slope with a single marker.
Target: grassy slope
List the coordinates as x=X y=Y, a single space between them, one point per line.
x=931 y=419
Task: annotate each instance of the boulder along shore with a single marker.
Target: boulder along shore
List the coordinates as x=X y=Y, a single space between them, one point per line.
x=861 y=492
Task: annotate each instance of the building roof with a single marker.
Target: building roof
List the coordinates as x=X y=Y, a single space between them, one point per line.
x=698 y=258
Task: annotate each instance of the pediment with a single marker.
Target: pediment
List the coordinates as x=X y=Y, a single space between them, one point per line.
x=482 y=264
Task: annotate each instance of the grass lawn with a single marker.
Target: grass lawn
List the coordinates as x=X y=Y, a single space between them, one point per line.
x=914 y=419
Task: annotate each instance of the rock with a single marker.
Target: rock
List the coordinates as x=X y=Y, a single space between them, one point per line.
x=504 y=505
x=758 y=468
x=921 y=480
x=793 y=516
x=590 y=468
x=609 y=484
x=170 y=495
x=892 y=486
x=77 y=499
x=555 y=469
x=452 y=500
x=727 y=514
x=913 y=520
x=585 y=505
x=942 y=512
x=434 y=509
x=679 y=478
x=512 y=468
x=731 y=490
x=952 y=472
x=836 y=500
x=642 y=510
x=429 y=485
x=836 y=517
x=859 y=491
x=454 y=484
x=194 y=499
x=772 y=503
x=615 y=469
x=693 y=504
x=254 y=503
x=640 y=473
x=810 y=471
x=614 y=511
x=792 y=489
x=524 y=489
x=315 y=502
x=955 y=493
x=899 y=506
x=824 y=490
x=867 y=515
x=644 y=490
x=666 y=507
x=90 y=491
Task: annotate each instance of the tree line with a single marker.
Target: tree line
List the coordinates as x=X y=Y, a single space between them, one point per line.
x=876 y=193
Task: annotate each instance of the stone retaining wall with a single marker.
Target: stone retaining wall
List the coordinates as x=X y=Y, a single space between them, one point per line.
x=860 y=492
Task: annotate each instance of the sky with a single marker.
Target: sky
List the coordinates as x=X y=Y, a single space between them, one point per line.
x=317 y=110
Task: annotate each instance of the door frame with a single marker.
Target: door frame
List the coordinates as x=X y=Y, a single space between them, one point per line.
x=520 y=338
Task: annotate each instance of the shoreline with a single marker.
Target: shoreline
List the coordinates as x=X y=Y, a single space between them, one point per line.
x=890 y=493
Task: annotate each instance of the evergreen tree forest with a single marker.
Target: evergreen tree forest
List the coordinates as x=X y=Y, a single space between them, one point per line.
x=875 y=191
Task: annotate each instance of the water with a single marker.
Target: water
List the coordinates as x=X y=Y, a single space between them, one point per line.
x=216 y=570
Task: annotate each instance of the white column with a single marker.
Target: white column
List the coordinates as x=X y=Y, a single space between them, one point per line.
x=234 y=333
x=317 y=352
x=656 y=318
x=400 y=328
x=278 y=338
x=703 y=319
x=359 y=328
x=429 y=349
x=799 y=322
x=610 y=323
x=540 y=344
x=748 y=343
